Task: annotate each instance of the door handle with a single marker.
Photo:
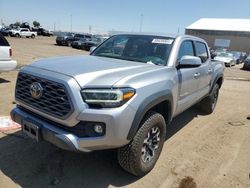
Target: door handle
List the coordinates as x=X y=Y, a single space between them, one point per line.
x=197 y=75
x=209 y=71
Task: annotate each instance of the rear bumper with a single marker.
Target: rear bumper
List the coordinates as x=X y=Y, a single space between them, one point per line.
x=7 y=65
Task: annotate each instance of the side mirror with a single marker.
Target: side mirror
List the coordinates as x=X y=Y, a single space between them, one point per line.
x=188 y=61
x=92 y=49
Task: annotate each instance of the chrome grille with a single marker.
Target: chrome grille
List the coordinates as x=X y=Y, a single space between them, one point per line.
x=54 y=100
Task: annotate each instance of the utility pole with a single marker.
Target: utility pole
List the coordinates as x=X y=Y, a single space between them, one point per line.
x=70 y=22
x=90 y=29
x=54 y=26
x=141 y=22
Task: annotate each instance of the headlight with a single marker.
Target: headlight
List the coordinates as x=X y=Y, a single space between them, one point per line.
x=107 y=98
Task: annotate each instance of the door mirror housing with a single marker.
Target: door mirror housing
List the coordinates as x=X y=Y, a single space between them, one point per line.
x=189 y=61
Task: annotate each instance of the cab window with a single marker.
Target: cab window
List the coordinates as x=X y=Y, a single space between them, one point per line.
x=201 y=51
x=186 y=48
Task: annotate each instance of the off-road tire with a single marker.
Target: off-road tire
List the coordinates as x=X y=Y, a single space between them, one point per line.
x=208 y=104
x=32 y=36
x=130 y=156
x=17 y=35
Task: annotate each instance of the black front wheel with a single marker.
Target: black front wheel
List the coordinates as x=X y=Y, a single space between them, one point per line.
x=141 y=154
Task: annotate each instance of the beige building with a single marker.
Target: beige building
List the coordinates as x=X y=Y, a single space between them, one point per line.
x=233 y=34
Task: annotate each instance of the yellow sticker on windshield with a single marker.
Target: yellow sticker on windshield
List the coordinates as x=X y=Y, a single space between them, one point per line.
x=162 y=41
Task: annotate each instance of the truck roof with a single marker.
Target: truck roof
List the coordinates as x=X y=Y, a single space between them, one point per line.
x=170 y=35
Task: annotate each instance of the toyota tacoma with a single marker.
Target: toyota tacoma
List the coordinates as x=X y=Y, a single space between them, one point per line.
x=122 y=95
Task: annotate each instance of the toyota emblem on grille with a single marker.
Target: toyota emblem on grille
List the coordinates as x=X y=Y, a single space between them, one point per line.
x=36 y=90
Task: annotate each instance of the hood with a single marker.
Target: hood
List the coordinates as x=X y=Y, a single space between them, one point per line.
x=223 y=59
x=93 y=71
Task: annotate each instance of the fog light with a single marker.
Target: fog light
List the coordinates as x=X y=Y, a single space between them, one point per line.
x=98 y=129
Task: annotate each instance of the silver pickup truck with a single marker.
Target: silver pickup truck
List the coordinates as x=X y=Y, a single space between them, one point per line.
x=120 y=96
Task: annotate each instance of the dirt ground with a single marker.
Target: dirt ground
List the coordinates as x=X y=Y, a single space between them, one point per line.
x=200 y=151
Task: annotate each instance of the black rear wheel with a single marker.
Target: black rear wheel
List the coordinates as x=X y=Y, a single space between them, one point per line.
x=208 y=104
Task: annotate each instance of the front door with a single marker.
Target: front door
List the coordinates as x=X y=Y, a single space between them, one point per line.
x=188 y=79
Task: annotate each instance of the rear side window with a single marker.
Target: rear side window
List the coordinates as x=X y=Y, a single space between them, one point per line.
x=201 y=51
x=186 y=48
x=3 y=41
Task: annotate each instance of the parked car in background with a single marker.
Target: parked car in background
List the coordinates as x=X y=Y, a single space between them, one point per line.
x=65 y=39
x=23 y=32
x=85 y=43
x=246 y=65
x=5 y=31
x=244 y=54
x=238 y=56
x=212 y=52
x=6 y=63
x=44 y=32
x=78 y=44
x=81 y=36
x=219 y=50
x=68 y=38
x=227 y=58
x=101 y=39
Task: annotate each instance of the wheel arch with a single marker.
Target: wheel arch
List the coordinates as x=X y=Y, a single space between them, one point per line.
x=218 y=80
x=161 y=102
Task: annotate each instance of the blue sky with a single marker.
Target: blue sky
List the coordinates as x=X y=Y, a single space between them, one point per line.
x=158 y=15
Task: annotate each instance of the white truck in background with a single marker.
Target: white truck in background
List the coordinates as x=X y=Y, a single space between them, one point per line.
x=6 y=63
x=23 y=32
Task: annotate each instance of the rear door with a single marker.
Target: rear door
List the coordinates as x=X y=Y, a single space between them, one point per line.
x=188 y=81
x=205 y=69
x=5 y=50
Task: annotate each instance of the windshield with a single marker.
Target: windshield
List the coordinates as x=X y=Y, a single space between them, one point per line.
x=139 y=48
x=225 y=55
x=220 y=50
x=237 y=54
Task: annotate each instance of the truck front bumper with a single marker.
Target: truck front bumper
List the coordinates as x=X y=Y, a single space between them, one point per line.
x=63 y=138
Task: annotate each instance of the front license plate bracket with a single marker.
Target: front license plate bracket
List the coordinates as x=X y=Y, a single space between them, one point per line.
x=32 y=130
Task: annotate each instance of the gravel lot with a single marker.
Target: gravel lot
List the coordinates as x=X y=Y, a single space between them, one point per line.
x=200 y=151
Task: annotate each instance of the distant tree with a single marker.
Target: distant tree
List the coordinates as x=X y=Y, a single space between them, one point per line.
x=36 y=23
x=17 y=24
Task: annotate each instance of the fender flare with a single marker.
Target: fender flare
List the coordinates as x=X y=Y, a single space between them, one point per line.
x=146 y=105
x=215 y=81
